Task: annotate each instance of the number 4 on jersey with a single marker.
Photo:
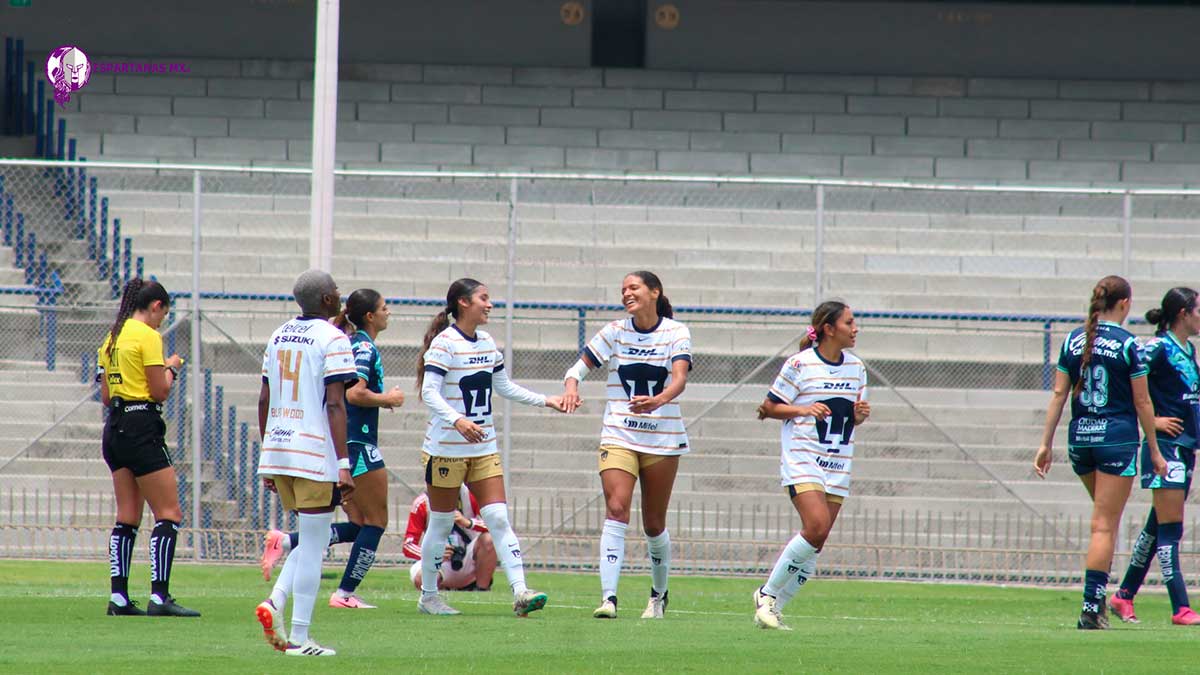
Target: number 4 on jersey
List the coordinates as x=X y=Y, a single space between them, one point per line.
x=289 y=371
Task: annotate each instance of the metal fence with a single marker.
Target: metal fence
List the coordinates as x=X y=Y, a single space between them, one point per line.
x=963 y=294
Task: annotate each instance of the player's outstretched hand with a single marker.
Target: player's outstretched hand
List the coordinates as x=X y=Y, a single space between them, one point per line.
x=345 y=484
x=557 y=403
x=1042 y=461
x=570 y=400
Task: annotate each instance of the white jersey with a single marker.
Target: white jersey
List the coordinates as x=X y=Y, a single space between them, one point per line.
x=819 y=451
x=460 y=375
x=303 y=356
x=639 y=364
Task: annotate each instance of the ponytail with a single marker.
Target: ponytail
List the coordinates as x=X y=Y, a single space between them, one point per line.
x=354 y=315
x=440 y=322
x=138 y=294
x=826 y=314
x=1107 y=293
x=461 y=289
x=1178 y=300
x=124 y=311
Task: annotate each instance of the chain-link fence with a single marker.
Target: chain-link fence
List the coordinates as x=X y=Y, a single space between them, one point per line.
x=963 y=294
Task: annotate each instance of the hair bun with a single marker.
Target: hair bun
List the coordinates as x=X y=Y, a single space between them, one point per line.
x=1155 y=316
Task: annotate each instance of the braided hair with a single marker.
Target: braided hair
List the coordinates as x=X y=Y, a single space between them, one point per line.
x=138 y=294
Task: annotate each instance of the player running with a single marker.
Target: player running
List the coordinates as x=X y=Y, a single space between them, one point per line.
x=1174 y=383
x=365 y=316
x=456 y=374
x=820 y=394
x=302 y=424
x=648 y=357
x=1101 y=370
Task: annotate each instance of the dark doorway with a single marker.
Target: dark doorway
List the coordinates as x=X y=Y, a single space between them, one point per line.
x=619 y=33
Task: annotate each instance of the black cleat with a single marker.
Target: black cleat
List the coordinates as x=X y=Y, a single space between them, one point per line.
x=1092 y=621
x=170 y=608
x=130 y=609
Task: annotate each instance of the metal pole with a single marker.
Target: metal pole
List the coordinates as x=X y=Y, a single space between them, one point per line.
x=509 y=299
x=197 y=378
x=320 y=248
x=819 y=253
x=1127 y=235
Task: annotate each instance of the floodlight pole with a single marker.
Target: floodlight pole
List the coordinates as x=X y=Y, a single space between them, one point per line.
x=325 y=78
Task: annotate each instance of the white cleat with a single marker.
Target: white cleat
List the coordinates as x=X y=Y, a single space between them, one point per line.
x=434 y=604
x=766 y=612
x=529 y=601
x=607 y=609
x=309 y=648
x=656 y=607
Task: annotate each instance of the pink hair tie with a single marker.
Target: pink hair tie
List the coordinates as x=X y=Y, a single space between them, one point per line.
x=812 y=334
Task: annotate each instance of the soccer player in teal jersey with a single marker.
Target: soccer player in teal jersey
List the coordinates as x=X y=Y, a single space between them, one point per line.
x=1101 y=370
x=1174 y=389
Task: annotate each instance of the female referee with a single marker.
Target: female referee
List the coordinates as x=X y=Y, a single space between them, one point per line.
x=135 y=379
x=648 y=356
x=456 y=375
x=1101 y=370
x=1174 y=383
x=365 y=316
x=820 y=394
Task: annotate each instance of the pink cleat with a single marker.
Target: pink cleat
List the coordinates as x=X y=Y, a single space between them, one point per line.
x=352 y=602
x=1186 y=617
x=1123 y=609
x=272 y=551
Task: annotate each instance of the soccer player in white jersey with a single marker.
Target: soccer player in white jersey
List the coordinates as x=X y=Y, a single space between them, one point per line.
x=820 y=394
x=457 y=373
x=302 y=423
x=648 y=357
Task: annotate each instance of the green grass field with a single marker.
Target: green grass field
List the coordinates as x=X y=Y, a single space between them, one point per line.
x=52 y=621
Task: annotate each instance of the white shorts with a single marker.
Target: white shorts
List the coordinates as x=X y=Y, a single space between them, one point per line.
x=451 y=579
x=830 y=470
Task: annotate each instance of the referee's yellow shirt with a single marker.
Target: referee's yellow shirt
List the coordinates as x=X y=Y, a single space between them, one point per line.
x=138 y=346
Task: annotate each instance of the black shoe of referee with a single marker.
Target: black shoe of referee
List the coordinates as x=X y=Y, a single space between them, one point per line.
x=129 y=609
x=169 y=607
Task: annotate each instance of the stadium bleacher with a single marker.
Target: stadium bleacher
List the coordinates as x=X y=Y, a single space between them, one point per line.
x=943 y=252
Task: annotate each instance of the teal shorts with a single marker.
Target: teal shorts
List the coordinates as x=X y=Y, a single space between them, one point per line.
x=1181 y=462
x=1115 y=460
x=363 y=458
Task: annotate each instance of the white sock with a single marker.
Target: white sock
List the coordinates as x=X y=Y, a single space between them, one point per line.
x=797 y=581
x=307 y=579
x=612 y=552
x=283 y=584
x=508 y=549
x=660 y=560
x=433 y=547
x=795 y=554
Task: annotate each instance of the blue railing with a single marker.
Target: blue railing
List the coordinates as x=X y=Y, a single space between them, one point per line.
x=1045 y=321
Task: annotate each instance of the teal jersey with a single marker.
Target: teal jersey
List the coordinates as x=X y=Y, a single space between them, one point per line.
x=363 y=422
x=1103 y=413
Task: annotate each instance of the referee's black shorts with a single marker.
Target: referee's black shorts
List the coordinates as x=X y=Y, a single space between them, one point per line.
x=135 y=437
